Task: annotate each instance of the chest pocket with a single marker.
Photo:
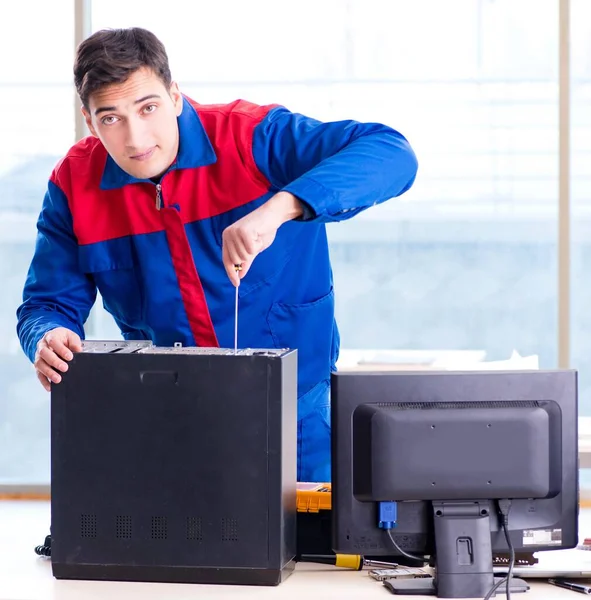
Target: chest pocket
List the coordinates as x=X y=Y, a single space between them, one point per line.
x=115 y=269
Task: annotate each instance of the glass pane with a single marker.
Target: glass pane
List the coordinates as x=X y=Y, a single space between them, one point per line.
x=206 y=46
x=581 y=199
x=37 y=103
x=44 y=53
x=467 y=259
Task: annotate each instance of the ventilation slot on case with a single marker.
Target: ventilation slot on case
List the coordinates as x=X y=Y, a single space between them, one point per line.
x=88 y=526
x=159 y=528
x=194 y=529
x=123 y=527
x=229 y=530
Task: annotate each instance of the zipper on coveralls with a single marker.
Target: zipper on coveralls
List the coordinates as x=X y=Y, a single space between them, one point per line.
x=158 y=196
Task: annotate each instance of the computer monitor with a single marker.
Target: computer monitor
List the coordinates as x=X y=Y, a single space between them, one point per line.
x=427 y=463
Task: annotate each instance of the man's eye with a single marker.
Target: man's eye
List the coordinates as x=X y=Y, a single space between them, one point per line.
x=150 y=108
x=109 y=120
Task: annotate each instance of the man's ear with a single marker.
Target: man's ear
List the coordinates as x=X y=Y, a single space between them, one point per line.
x=177 y=98
x=88 y=120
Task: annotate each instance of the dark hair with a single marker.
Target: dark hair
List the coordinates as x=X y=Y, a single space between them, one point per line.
x=112 y=55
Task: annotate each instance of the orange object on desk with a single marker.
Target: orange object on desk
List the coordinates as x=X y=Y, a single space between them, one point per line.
x=313 y=497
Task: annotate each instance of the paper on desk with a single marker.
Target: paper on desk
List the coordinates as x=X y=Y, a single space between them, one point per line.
x=514 y=363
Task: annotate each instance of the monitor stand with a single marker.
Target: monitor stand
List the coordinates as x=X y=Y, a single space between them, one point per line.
x=426 y=586
x=463 y=555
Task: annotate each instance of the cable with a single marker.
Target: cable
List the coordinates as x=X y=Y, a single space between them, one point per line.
x=504 y=506
x=401 y=551
x=387 y=516
x=45 y=549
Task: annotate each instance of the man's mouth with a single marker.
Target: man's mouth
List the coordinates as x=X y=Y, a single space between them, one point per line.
x=144 y=155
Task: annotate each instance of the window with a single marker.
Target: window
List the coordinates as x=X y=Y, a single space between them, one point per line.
x=466 y=260
x=37 y=102
x=581 y=198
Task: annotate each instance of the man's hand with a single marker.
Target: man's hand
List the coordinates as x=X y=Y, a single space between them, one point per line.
x=255 y=232
x=55 y=345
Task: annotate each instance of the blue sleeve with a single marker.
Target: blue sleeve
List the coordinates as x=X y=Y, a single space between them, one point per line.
x=337 y=169
x=56 y=292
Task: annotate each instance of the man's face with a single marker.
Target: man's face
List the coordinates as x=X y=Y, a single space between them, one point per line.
x=137 y=123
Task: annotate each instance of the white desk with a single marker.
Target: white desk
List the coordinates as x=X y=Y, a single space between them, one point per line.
x=24 y=576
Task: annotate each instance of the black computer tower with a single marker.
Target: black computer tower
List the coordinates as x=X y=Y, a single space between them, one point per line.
x=174 y=465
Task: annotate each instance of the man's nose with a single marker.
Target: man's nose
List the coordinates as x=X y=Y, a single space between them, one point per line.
x=136 y=135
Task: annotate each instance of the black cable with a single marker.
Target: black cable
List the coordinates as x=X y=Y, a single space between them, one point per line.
x=401 y=551
x=504 y=506
x=45 y=549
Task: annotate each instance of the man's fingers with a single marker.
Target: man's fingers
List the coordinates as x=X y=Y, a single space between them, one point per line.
x=43 y=368
x=241 y=257
x=74 y=343
x=237 y=253
x=242 y=244
x=58 y=345
x=233 y=275
x=234 y=255
x=249 y=245
x=44 y=381
x=229 y=266
x=239 y=248
x=47 y=355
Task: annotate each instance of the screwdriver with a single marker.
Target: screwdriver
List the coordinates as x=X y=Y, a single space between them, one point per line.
x=236 y=268
x=347 y=561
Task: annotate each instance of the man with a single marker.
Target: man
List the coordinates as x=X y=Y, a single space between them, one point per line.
x=157 y=207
